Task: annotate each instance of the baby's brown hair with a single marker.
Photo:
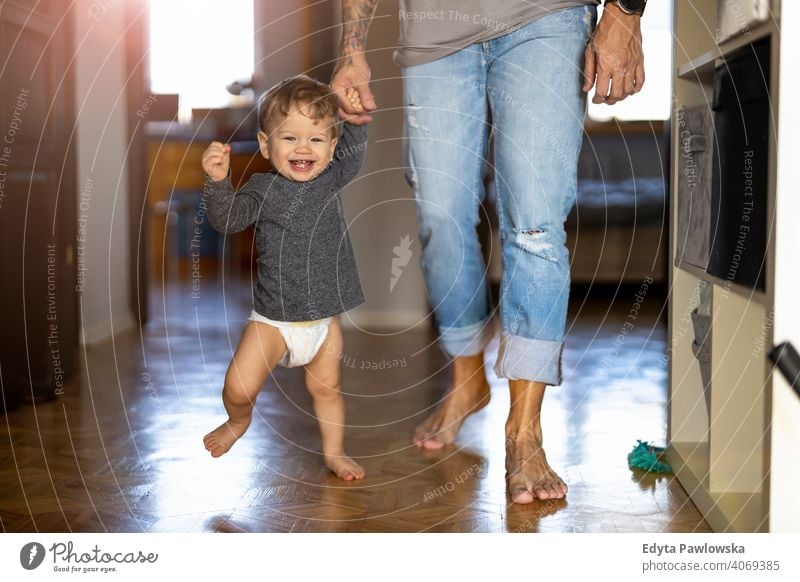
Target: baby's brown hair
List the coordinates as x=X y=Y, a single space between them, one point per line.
x=299 y=91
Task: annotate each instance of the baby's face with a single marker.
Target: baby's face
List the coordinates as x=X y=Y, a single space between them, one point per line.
x=299 y=147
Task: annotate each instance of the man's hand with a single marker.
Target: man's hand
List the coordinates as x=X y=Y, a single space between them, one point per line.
x=352 y=71
x=350 y=82
x=614 y=58
x=217 y=160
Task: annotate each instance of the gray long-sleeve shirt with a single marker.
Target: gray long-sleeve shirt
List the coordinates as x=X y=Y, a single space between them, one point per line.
x=306 y=266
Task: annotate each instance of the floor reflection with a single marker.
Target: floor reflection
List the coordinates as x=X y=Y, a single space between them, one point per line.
x=122 y=450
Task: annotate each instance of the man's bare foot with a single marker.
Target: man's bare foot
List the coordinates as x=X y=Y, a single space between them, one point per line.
x=344 y=467
x=529 y=475
x=221 y=439
x=469 y=393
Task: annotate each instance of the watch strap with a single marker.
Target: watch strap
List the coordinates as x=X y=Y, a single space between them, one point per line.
x=630 y=6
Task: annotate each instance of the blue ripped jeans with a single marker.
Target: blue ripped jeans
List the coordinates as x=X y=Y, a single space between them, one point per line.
x=525 y=87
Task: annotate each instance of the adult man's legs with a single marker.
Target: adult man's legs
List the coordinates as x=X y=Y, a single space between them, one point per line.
x=446 y=131
x=534 y=82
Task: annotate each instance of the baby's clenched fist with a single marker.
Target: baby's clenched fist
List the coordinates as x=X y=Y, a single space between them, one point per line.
x=217 y=160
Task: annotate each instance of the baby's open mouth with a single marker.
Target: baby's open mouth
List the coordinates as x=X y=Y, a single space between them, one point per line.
x=301 y=165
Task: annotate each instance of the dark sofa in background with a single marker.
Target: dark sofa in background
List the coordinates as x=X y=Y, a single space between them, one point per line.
x=617 y=231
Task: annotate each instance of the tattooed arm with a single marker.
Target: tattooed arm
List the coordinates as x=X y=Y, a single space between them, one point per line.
x=352 y=69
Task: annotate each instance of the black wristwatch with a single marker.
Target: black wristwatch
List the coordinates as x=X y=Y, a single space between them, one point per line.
x=630 y=6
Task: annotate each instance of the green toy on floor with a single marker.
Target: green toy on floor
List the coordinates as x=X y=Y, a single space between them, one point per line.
x=647 y=457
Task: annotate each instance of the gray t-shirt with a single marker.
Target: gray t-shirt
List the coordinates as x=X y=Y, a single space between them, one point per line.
x=432 y=29
x=306 y=267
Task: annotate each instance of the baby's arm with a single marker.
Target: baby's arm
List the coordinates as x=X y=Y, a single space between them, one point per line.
x=349 y=154
x=228 y=211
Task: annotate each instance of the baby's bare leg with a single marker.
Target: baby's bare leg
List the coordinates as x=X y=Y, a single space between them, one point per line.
x=259 y=351
x=323 y=379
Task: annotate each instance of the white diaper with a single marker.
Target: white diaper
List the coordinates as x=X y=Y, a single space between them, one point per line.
x=303 y=338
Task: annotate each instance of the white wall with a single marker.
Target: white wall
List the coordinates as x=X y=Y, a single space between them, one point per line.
x=380 y=203
x=279 y=50
x=101 y=170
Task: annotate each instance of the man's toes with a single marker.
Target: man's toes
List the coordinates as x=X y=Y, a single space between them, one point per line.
x=549 y=492
x=432 y=443
x=422 y=432
x=420 y=441
x=520 y=492
x=557 y=487
x=540 y=489
x=521 y=496
x=419 y=436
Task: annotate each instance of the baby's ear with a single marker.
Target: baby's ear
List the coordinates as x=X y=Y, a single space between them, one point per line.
x=334 y=141
x=263 y=144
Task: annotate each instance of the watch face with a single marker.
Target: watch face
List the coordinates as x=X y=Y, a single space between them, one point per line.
x=633 y=5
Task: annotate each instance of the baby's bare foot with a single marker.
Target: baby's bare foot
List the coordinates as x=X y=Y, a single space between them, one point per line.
x=344 y=467
x=221 y=439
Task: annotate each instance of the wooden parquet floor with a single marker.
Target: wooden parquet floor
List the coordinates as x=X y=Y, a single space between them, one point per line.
x=121 y=450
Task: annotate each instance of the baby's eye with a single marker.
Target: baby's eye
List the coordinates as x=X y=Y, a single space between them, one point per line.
x=288 y=138
x=316 y=139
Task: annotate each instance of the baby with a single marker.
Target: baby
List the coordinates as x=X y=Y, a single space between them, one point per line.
x=307 y=273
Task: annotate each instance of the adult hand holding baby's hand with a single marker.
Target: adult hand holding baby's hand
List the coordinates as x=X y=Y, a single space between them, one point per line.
x=350 y=82
x=217 y=160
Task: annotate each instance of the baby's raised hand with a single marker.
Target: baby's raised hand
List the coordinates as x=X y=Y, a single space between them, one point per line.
x=354 y=99
x=217 y=160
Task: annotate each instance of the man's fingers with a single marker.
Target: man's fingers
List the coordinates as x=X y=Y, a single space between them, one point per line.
x=345 y=104
x=355 y=100
x=601 y=87
x=629 y=87
x=351 y=85
x=589 y=68
x=618 y=86
x=366 y=96
x=355 y=119
x=638 y=78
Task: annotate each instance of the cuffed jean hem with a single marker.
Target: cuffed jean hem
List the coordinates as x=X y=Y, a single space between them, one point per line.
x=534 y=360
x=469 y=340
